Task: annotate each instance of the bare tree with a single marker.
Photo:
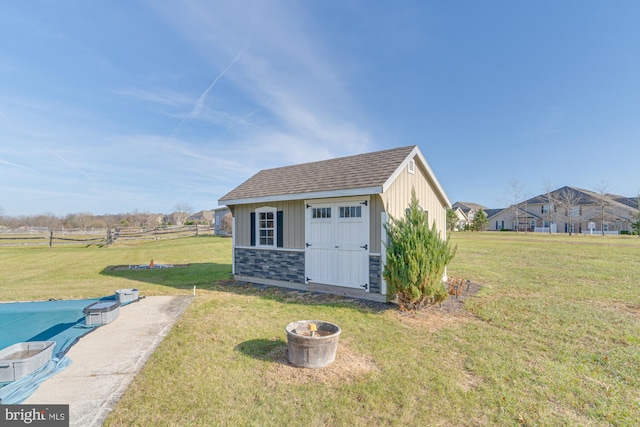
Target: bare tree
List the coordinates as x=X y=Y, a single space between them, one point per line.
x=636 y=216
x=570 y=201
x=551 y=203
x=78 y=220
x=602 y=189
x=226 y=224
x=516 y=190
x=137 y=218
x=48 y=220
x=181 y=212
x=111 y=220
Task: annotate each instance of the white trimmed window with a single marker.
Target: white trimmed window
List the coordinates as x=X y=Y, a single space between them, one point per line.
x=350 y=211
x=266 y=226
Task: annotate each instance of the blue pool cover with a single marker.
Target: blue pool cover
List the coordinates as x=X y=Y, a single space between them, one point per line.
x=60 y=321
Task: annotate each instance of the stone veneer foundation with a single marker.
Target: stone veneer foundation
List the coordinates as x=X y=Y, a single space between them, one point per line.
x=288 y=266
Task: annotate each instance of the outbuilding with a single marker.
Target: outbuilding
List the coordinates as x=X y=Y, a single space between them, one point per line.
x=320 y=226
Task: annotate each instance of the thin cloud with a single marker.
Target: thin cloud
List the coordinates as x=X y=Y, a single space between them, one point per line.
x=15 y=165
x=167 y=98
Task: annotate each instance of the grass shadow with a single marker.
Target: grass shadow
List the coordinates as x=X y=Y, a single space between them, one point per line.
x=302 y=297
x=263 y=349
x=212 y=276
x=182 y=276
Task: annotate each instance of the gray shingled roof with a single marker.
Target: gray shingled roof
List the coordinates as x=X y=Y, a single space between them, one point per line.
x=344 y=173
x=492 y=212
x=582 y=197
x=465 y=206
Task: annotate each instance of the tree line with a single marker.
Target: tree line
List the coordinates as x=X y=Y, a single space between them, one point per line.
x=87 y=220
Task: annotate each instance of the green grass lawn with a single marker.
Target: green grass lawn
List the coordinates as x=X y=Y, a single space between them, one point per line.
x=553 y=338
x=74 y=272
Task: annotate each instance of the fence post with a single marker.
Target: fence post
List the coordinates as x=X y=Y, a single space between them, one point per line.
x=196 y=230
x=155 y=232
x=109 y=236
x=50 y=237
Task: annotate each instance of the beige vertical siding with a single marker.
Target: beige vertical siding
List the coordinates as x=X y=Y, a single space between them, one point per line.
x=293 y=232
x=377 y=207
x=397 y=198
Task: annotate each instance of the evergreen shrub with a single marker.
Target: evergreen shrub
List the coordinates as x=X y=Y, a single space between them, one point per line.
x=416 y=260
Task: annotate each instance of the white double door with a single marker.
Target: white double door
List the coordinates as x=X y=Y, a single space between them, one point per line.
x=337 y=242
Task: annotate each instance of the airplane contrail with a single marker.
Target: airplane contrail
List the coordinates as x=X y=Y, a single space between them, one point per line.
x=73 y=166
x=4 y=162
x=200 y=102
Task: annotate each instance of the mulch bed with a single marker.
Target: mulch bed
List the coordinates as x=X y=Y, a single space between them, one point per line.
x=453 y=305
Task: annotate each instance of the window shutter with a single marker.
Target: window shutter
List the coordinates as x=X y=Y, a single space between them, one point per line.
x=280 y=229
x=253 y=229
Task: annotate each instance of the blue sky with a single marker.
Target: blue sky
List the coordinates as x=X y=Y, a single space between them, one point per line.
x=107 y=107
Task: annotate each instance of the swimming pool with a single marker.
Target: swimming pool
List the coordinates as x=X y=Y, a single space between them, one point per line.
x=61 y=321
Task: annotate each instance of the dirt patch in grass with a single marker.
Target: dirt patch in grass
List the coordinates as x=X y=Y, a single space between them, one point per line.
x=449 y=313
x=626 y=308
x=140 y=267
x=443 y=315
x=348 y=367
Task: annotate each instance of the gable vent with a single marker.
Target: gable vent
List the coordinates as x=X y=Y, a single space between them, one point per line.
x=411 y=167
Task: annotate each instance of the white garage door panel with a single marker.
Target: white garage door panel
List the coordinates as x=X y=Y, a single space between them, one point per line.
x=322 y=265
x=320 y=233
x=338 y=247
x=349 y=233
x=349 y=269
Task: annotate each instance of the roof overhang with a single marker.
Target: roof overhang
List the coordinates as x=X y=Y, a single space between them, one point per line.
x=302 y=196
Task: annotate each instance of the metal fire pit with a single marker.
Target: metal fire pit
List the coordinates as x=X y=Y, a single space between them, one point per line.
x=312 y=343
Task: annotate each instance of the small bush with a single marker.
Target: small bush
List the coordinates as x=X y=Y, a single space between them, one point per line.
x=455 y=285
x=416 y=259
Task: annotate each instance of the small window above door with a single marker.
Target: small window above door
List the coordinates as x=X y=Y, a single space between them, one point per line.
x=350 y=211
x=321 y=213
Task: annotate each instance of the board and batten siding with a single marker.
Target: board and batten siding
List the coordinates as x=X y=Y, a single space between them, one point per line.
x=293 y=233
x=375 y=223
x=398 y=197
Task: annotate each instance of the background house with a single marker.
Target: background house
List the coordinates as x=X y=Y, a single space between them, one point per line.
x=320 y=226
x=203 y=217
x=513 y=218
x=568 y=210
x=466 y=212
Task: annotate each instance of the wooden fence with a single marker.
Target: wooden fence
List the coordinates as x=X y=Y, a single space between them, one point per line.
x=41 y=236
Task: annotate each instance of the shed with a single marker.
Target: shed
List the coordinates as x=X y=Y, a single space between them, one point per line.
x=320 y=226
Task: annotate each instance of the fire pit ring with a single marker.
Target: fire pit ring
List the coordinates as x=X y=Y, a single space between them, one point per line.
x=312 y=343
